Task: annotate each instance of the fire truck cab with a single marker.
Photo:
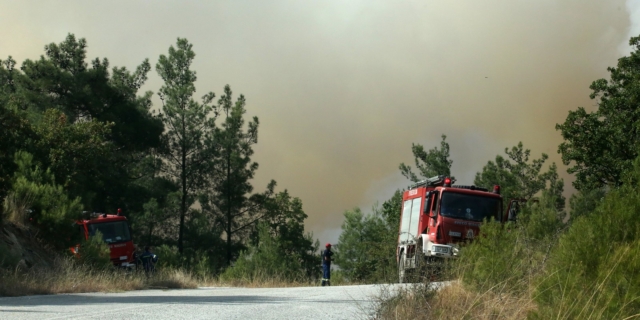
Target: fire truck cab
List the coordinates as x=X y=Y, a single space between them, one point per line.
x=436 y=216
x=115 y=232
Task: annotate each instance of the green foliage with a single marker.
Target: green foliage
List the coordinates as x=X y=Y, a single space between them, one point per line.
x=284 y=219
x=62 y=79
x=391 y=212
x=153 y=216
x=189 y=126
x=509 y=257
x=91 y=127
x=600 y=145
x=269 y=260
x=196 y=261
x=519 y=178
x=229 y=197
x=15 y=134
x=585 y=202
x=494 y=257
x=431 y=163
x=366 y=247
x=168 y=257
x=151 y=225
x=93 y=142
x=280 y=249
x=51 y=208
x=95 y=253
x=74 y=152
x=593 y=271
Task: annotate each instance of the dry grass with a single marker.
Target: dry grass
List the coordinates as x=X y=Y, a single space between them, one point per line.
x=452 y=302
x=68 y=277
x=457 y=302
x=262 y=279
x=264 y=283
x=15 y=208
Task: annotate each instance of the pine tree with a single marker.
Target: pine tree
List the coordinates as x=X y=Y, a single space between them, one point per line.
x=230 y=200
x=431 y=163
x=189 y=124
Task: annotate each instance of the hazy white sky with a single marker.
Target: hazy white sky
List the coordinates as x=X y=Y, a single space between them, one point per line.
x=342 y=88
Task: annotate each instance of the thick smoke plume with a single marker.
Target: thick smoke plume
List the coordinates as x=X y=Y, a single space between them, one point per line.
x=343 y=88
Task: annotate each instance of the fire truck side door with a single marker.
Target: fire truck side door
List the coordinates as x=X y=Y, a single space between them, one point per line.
x=433 y=210
x=434 y=205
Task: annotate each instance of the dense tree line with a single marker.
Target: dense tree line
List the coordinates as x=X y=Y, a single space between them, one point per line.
x=78 y=135
x=576 y=266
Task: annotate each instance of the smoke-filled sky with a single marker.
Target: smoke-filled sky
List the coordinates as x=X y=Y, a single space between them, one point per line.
x=342 y=88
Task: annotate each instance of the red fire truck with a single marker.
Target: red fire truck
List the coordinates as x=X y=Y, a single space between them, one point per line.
x=436 y=216
x=115 y=232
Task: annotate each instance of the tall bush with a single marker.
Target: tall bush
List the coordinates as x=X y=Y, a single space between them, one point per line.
x=594 y=271
x=49 y=208
x=266 y=261
x=509 y=257
x=94 y=252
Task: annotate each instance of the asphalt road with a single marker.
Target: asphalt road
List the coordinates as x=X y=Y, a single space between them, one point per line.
x=336 y=302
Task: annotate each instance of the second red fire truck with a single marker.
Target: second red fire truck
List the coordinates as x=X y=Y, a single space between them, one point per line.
x=115 y=232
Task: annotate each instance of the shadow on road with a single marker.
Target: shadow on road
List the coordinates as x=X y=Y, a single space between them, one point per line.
x=78 y=299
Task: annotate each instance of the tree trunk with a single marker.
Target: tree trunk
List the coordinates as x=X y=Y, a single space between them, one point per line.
x=183 y=175
x=228 y=208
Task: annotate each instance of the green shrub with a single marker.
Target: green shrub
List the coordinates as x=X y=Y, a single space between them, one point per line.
x=585 y=202
x=366 y=250
x=95 y=253
x=493 y=258
x=266 y=261
x=168 y=256
x=52 y=211
x=593 y=272
x=196 y=262
x=508 y=257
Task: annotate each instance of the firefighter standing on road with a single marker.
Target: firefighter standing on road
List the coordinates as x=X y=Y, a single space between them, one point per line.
x=326 y=265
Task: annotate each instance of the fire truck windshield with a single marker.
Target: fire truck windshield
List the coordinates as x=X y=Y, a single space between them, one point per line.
x=469 y=207
x=112 y=232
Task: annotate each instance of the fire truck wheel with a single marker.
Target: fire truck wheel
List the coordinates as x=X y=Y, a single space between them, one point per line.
x=401 y=269
x=418 y=272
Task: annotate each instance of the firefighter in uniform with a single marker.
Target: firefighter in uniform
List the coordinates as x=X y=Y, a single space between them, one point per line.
x=326 y=265
x=148 y=260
